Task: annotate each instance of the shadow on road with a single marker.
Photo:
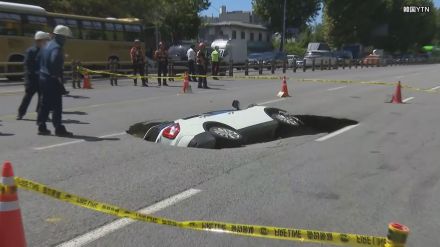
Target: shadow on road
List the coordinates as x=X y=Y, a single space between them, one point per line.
x=92 y=138
x=76 y=96
x=6 y=134
x=72 y=121
x=75 y=113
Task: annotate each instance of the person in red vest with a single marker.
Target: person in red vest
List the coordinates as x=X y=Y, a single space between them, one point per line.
x=161 y=56
x=137 y=54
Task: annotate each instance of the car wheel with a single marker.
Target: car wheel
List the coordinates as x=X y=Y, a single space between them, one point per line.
x=287 y=119
x=225 y=136
x=225 y=133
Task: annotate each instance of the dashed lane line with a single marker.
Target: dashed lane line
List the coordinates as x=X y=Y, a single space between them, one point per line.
x=121 y=223
x=338 y=132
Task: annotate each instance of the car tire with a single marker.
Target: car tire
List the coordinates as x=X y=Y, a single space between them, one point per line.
x=286 y=119
x=225 y=136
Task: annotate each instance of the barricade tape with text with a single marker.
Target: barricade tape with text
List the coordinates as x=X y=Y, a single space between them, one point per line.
x=269 y=232
x=261 y=77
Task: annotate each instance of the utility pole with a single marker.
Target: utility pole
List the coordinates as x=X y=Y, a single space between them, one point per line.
x=283 y=35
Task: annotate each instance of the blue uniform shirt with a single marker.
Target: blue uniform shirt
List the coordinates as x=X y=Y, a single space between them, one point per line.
x=52 y=60
x=32 y=64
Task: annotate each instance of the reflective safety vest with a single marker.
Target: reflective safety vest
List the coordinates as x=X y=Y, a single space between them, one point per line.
x=215 y=56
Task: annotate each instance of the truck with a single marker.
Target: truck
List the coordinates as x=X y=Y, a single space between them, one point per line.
x=232 y=50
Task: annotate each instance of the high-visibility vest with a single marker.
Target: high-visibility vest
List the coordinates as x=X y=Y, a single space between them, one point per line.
x=214 y=56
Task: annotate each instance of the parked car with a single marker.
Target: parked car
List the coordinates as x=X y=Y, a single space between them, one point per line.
x=343 y=56
x=292 y=58
x=318 y=56
x=254 y=59
x=178 y=52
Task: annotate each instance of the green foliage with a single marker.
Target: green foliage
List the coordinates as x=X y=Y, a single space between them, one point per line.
x=299 y=12
x=358 y=21
x=177 y=19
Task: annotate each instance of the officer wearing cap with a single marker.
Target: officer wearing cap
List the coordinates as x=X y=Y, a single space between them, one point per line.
x=32 y=71
x=51 y=87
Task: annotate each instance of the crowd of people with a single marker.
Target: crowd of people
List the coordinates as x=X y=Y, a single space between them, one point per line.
x=44 y=65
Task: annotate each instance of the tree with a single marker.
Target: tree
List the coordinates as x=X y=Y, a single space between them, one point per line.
x=177 y=19
x=379 y=23
x=299 y=12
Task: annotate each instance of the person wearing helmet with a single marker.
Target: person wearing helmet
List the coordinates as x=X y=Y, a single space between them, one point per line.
x=161 y=56
x=137 y=55
x=51 y=87
x=215 y=59
x=201 y=66
x=32 y=70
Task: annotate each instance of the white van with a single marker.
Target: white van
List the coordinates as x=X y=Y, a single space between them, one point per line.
x=318 y=56
x=235 y=50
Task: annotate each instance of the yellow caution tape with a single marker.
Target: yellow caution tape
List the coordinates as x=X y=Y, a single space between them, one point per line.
x=258 y=77
x=270 y=232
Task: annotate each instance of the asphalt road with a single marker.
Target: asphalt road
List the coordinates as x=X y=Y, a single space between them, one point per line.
x=384 y=169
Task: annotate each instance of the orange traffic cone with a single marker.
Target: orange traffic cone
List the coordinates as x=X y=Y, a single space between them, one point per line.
x=397 y=97
x=186 y=86
x=11 y=226
x=284 y=91
x=87 y=84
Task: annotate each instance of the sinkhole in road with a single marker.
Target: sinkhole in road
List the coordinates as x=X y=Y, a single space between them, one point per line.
x=305 y=125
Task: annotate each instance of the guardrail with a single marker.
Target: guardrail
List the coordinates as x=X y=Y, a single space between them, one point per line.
x=15 y=70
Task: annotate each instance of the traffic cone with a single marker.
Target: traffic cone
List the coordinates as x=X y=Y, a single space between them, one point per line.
x=186 y=86
x=397 y=97
x=11 y=226
x=284 y=91
x=87 y=84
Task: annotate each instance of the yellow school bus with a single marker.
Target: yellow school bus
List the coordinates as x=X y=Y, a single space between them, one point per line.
x=94 y=39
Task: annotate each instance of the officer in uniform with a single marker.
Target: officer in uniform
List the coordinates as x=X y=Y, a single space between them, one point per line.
x=113 y=66
x=201 y=66
x=191 y=54
x=137 y=55
x=76 y=74
x=51 y=78
x=215 y=57
x=32 y=71
x=161 y=56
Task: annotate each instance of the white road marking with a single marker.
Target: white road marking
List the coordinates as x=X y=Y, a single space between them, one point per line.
x=400 y=77
x=120 y=223
x=271 y=101
x=74 y=142
x=434 y=88
x=336 y=88
x=338 y=132
x=407 y=99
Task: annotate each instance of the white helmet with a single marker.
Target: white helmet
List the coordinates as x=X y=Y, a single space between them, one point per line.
x=39 y=35
x=62 y=30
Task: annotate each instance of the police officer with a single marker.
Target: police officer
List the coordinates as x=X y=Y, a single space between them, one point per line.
x=215 y=57
x=76 y=74
x=201 y=66
x=32 y=70
x=51 y=87
x=161 y=56
x=137 y=55
x=191 y=54
x=113 y=66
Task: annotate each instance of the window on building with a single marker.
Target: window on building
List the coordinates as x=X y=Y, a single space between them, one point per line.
x=252 y=37
x=243 y=35
x=234 y=34
x=260 y=37
x=10 y=24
